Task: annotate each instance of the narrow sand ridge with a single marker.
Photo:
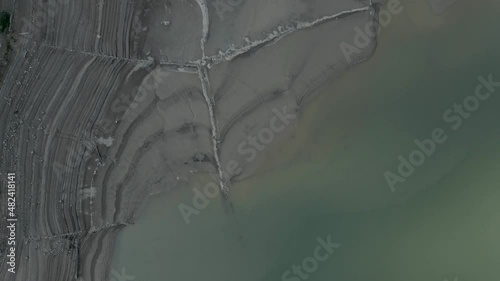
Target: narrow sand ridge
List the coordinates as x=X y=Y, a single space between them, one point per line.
x=108 y=102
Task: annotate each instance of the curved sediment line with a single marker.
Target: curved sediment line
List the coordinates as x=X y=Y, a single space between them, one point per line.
x=159 y=135
x=126 y=135
x=248 y=109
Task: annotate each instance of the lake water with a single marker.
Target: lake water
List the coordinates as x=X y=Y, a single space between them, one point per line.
x=442 y=223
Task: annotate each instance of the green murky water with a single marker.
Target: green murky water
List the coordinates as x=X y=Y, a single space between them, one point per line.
x=442 y=222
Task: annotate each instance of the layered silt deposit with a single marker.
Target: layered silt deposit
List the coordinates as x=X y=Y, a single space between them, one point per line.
x=107 y=102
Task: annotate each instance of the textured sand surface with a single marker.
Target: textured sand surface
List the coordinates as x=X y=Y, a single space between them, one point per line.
x=107 y=102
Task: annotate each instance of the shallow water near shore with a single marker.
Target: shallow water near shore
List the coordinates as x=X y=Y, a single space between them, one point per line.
x=442 y=223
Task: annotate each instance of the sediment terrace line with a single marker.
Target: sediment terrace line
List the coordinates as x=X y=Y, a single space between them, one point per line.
x=55 y=236
x=172 y=66
x=275 y=36
x=99 y=24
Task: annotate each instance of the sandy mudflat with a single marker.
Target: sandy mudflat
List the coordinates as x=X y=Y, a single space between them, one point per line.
x=106 y=103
